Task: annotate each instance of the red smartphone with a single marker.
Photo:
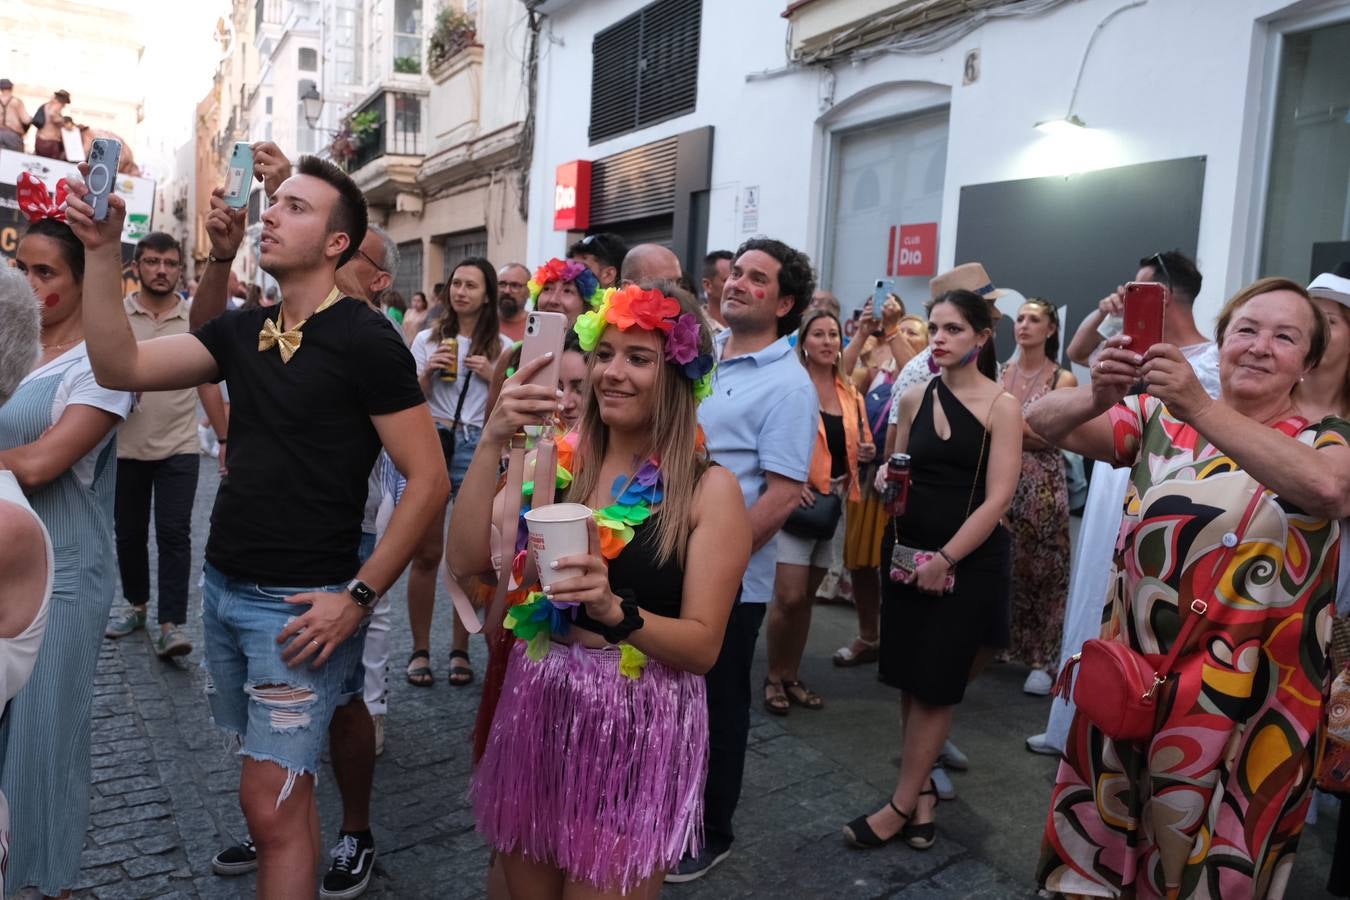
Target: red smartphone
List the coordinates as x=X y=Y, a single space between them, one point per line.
x=544 y=333
x=1144 y=305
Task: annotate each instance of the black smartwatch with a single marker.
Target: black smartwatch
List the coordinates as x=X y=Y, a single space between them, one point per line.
x=363 y=594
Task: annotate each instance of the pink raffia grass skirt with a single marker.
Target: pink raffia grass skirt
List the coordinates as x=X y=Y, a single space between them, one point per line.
x=591 y=771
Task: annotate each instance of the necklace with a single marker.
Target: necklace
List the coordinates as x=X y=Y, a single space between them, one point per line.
x=538 y=618
x=1023 y=384
x=61 y=346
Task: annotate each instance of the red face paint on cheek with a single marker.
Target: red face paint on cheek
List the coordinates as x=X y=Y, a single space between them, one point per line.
x=759 y=294
x=51 y=300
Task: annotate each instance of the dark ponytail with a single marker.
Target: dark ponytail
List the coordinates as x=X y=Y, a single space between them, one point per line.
x=975 y=310
x=1051 y=342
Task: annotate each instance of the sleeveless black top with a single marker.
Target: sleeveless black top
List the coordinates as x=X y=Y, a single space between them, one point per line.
x=635 y=574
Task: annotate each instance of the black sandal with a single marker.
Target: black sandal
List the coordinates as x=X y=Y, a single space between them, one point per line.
x=778 y=704
x=460 y=675
x=861 y=835
x=420 y=676
x=922 y=836
x=807 y=698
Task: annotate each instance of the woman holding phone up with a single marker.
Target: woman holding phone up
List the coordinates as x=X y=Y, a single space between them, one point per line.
x=617 y=650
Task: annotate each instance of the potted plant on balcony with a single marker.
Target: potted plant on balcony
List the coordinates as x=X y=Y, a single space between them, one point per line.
x=454 y=32
x=352 y=133
x=407 y=65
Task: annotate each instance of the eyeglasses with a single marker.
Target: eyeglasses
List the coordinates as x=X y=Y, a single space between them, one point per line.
x=366 y=256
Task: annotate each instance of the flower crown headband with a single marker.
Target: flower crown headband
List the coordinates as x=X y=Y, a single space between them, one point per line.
x=632 y=307
x=588 y=286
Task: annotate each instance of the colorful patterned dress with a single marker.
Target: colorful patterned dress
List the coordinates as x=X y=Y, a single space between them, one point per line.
x=1039 y=517
x=1214 y=805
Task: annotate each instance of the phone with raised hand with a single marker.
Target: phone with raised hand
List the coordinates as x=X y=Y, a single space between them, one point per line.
x=544 y=333
x=103 y=158
x=240 y=175
x=1145 y=303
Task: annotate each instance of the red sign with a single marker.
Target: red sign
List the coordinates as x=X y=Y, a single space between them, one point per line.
x=572 y=197
x=912 y=250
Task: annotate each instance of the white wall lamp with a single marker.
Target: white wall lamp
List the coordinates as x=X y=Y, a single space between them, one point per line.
x=1070 y=123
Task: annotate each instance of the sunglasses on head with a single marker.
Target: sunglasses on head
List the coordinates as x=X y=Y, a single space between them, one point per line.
x=1157 y=261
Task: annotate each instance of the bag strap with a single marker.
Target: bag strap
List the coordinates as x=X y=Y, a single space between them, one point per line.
x=984 y=442
x=459 y=407
x=1200 y=605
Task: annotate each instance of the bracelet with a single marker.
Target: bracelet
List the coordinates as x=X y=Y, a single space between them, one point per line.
x=211 y=257
x=945 y=555
x=632 y=620
x=221 y=440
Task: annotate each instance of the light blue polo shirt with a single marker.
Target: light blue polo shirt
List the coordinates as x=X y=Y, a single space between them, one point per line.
x=761 y=417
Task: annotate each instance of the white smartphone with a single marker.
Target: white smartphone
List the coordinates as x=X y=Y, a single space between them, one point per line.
x=544 y=333
x=240 y=176
x=103 y=158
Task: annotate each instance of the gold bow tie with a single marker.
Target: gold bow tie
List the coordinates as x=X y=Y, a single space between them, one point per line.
x=272 y=336
x=288 y=342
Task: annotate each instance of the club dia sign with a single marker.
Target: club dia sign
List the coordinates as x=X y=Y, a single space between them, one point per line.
x=911 y=250
x=572 y=196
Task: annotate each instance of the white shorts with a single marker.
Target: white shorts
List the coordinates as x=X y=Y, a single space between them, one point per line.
x=800 y=551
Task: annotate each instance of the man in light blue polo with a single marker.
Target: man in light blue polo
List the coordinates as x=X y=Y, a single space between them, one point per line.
x=760 y=423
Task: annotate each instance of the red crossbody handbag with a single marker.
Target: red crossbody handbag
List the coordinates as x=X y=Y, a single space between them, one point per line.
x=1116 y=686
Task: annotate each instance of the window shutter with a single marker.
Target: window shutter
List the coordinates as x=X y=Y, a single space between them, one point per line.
x=645 y=68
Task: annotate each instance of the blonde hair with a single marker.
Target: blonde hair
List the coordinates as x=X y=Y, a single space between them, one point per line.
x=807 y=320
x=674 y=430
x=1317 y=341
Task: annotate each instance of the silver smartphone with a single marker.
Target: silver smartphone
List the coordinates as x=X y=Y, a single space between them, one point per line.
x=103 y=158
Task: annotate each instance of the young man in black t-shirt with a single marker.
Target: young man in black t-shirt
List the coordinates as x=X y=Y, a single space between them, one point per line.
x=315 y=391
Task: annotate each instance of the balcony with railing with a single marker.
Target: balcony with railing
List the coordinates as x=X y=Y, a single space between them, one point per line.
x=385 y=144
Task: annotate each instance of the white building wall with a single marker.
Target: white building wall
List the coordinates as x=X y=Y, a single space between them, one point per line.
x=1165 y=80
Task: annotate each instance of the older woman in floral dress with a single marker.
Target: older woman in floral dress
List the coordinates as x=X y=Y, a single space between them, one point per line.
x=1213 y=804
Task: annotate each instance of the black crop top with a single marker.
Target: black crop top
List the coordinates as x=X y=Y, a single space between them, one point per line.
x=634 y=573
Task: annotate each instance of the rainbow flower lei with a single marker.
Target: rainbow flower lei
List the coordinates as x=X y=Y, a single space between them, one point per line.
x=538 y=618
x=588 y=286
x=632 y=307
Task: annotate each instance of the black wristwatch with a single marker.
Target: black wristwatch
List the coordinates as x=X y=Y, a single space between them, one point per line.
x=363 y=594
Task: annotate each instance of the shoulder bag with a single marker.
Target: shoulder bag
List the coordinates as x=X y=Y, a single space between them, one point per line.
x=1116 y=686
x=818 y=521
x=905 y=561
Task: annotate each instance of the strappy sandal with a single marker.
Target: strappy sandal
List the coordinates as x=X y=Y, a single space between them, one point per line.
x=846 y=657
x=922 y=836
x=420 y=675
x=460 y=675
x=776 y=703
x=799 y=694
x=861 y=835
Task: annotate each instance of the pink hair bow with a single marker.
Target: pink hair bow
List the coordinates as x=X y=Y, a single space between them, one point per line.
x=36 y=201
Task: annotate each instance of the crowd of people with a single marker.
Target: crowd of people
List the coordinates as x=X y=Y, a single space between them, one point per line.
x=736 y=444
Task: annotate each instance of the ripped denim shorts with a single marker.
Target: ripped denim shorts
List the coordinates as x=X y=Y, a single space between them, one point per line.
x=275 y=712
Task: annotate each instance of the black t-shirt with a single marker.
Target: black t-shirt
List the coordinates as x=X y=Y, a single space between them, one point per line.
x=301 y=441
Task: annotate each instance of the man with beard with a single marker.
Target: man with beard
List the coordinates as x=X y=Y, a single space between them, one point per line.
x=513 y=292
x=157 y=461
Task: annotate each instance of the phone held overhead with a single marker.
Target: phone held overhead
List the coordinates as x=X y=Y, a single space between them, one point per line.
x=103 y=158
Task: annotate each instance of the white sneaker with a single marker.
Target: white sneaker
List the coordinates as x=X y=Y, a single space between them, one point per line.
x=1039 y=743
x=943 y=783
x=952 y=757
x=1038 y=683
x=378 y=721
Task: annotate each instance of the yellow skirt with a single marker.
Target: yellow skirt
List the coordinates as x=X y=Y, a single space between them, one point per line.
x=864 y=526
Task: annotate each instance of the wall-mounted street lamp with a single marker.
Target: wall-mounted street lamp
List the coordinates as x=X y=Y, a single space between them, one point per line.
x=313 y=104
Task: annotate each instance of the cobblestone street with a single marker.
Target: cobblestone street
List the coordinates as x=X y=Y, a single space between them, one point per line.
x=164 y=788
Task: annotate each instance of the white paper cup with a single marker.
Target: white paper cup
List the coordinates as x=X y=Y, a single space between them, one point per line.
x=557 y=531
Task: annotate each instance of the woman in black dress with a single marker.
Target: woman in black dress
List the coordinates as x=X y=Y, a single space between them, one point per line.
x=964 y=435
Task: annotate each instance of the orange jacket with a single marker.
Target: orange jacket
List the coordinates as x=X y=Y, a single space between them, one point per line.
x=855 y=418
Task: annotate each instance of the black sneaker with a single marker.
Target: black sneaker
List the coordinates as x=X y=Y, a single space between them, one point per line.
x=353 y=863
x=240 y=859
x=691 y=868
